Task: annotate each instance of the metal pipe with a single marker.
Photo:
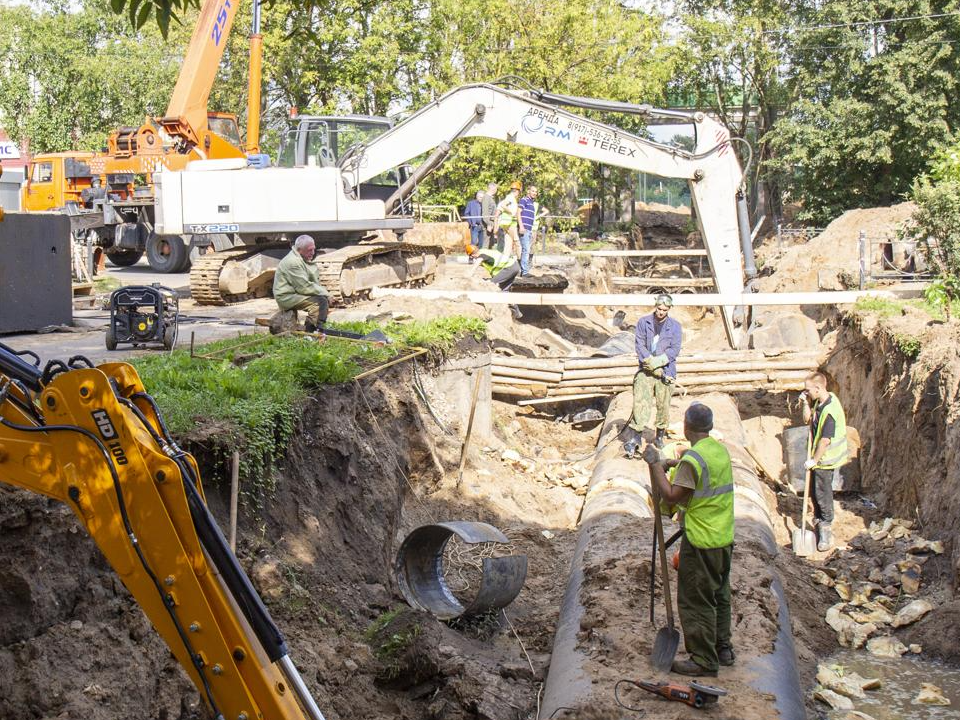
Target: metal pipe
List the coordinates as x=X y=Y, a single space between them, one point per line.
x=254 y=82
x=300 y=689
x=424 y=169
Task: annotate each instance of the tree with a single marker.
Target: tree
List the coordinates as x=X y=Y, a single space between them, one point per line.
x=875 y=101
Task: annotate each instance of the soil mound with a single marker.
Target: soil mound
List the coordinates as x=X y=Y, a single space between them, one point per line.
x=831 y=261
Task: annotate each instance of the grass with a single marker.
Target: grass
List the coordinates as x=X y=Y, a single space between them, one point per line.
x=389 y=649
x=253 y=406
x=909 y=345
x=880 y=306
x=105 y=284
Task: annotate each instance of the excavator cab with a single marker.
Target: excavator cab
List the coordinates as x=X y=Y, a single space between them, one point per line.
x=330 y=140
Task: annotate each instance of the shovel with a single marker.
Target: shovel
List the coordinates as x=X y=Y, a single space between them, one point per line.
x=376 y=336
x=668 y=638
x=804 y=541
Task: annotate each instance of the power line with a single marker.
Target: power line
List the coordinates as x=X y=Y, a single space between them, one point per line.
x=859 y=23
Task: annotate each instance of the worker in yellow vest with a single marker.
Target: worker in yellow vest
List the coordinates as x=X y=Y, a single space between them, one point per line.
x=703 y=485
x=826 y=451
x=502 y=268
x=506 y=219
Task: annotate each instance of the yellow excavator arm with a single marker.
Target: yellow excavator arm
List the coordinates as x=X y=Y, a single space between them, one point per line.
x=93 y=438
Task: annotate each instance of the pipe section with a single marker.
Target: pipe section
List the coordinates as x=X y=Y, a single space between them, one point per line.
x=621 y=487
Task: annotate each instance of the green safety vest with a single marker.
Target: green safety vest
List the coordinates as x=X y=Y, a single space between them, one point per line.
x=508 y=217
x=708 y=521
x=495 y=261
x=836 y=454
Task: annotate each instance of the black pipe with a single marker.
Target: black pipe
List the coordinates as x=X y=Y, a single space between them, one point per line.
x=16 y=368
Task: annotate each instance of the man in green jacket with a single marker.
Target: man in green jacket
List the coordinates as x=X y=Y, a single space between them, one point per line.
x=296 y=284
x=827 y=451
x=703 y=485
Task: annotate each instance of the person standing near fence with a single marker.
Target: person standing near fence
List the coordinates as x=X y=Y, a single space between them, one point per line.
x=473 y=214
x=529 y=223
x=488 y=207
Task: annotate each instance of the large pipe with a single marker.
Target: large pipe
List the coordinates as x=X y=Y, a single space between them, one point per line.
x=746 y=242
x=621 y=488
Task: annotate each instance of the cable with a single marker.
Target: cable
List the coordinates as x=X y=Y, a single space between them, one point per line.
x=858 y=23
x=616 y=696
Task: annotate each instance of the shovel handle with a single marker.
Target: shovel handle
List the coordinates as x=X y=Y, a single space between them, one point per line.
x=806 y=495
x=664 y=567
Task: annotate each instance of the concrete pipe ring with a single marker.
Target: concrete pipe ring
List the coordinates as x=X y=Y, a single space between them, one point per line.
x=419 y=570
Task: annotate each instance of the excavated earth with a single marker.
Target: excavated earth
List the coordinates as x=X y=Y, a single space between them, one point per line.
x=368 y=463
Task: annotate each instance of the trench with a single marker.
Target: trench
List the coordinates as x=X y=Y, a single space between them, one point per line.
x=368 y=465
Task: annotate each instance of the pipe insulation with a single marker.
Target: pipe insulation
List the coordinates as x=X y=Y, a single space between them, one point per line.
x=619 y=491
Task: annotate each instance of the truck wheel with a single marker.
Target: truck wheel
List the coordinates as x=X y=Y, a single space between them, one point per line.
x=124 y=258
x=166 y=253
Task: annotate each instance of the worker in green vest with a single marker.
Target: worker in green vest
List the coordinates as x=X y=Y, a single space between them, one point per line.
x=502 y=267
x=703 y=485
x=826 y=451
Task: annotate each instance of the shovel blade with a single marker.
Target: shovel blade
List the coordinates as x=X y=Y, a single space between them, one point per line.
x=804 y=543
x=665 y=648
x=376 y=336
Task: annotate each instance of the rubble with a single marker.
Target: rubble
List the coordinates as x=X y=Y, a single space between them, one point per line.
x=886 y=646
x=850 y=684
x=850 y=633
x=834 y=700
x=912 y=612
x=930 y=694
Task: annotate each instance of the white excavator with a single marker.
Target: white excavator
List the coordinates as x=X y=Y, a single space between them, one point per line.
x=323 y=197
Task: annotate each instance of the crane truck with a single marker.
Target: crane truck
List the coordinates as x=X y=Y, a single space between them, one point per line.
x=228 y=196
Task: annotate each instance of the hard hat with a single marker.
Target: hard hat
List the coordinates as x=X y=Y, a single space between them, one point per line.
x=515 y=185
x=470 y=249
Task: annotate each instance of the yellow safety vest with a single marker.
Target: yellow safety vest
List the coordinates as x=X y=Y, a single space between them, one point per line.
x=508 y=212
x=708 y=520
x=494 y=261
x=836 y=454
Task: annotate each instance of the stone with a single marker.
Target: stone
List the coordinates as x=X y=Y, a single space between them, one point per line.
x=833 y=699
x=510 y=455
x=915 y=648
x=850 y=633
x=910 y=580
x=930 y=694
x=547 y=534
x=886 y=646
x=875 y=614
x=856 y=715
x=350 y=665
x=843 y=590
x=821 y=578
x=76 y=625
x=912 y=612
x=919 y=546
x=830 y=678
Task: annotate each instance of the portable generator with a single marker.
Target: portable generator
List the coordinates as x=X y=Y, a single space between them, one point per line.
x=142 y=315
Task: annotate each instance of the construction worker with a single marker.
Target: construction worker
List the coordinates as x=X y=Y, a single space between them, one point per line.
x=488 y=207
x=473 y=214
x=502 y=267
x=296 y=284
x=657 y=341
x=506 y=219
x=703 y=485
x=826 y=450
x=530 y=213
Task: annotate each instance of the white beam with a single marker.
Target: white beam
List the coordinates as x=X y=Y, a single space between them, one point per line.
x=843 y=297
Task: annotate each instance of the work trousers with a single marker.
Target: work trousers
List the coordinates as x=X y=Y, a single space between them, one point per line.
x=477 y=236
x=703 y=601
x=822 y=494
x=316 y=308
x=508 y=240
x=526 y=243
x=648 y=390
x=505 y=277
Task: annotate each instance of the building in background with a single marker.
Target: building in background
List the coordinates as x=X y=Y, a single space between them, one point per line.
x=14 y=162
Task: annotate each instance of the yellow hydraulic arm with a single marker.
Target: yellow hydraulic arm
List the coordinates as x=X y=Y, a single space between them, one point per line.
x=93 y=438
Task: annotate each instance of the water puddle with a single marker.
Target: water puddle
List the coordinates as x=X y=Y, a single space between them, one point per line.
x=901 y=680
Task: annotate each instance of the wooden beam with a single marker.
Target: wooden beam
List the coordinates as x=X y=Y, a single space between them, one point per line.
x=676 y=252
x=841 y=297
x=638 y=282
x=562 y=398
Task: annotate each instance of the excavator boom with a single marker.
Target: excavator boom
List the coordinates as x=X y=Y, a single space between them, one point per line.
x=92 y=437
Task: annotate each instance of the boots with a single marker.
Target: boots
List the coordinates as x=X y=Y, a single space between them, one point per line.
x=825 y=537
x=658 y=440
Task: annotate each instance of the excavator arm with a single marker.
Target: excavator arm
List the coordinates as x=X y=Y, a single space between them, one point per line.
x=534 y=119
x=92 y=437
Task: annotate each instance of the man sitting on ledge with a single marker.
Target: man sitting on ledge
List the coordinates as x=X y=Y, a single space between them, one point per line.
x=296 y=284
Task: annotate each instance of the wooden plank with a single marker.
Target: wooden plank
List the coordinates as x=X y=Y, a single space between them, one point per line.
x=672 y=252
x=641 y=282
x=525 y=373
x=840 y=297
x=554 y=365
x=563 y=398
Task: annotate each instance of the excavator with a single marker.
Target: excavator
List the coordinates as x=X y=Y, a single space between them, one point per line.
x=229 y=196
x=94 y=439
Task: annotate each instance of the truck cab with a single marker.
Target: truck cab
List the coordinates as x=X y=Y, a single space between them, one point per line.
x=54 y=179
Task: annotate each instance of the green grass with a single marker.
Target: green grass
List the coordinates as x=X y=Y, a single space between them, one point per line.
x=105 y=284
x=253 y=406
x=908 y=345
x=595 y=245
x=880 y=306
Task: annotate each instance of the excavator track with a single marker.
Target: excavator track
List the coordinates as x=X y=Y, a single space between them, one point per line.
x=348 y=273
